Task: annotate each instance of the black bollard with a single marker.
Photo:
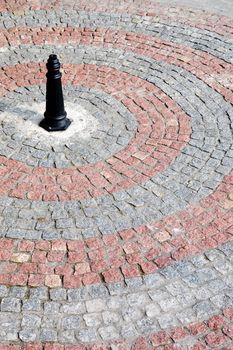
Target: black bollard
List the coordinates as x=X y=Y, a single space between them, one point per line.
x=55 y=114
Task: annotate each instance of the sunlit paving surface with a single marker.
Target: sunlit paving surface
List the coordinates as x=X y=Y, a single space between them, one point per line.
x=116 y=233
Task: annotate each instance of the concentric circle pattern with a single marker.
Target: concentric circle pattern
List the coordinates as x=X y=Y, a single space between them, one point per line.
x=117 y=233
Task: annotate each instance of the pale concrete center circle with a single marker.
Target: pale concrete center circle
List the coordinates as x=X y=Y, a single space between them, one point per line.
x=82 y=122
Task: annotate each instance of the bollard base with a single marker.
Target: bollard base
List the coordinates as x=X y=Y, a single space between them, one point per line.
x=58 y=126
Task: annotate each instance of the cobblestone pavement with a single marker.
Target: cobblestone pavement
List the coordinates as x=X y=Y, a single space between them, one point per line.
x=119 y=236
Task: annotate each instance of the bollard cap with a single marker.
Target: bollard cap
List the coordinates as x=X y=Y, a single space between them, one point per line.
x=53 y=66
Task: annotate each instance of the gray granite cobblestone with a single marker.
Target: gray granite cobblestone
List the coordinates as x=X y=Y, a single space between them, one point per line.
x=27 y=335
x=18 y=292
x=48 y=335
x=3 y=291
x=178 y=295
x=101 y=144
x=10 y=305
x=32 y=305
x=58 y=294
x=193 y=37
x=193 y=175
x=95 y=313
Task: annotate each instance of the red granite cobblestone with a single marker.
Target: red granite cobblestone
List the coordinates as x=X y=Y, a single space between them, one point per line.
x=229 y=313
x=154 y=128
x=140 y=250
x=177 y=14
x=216 y=322
x=130 y=253
x=215 y=73
x=144 y=167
